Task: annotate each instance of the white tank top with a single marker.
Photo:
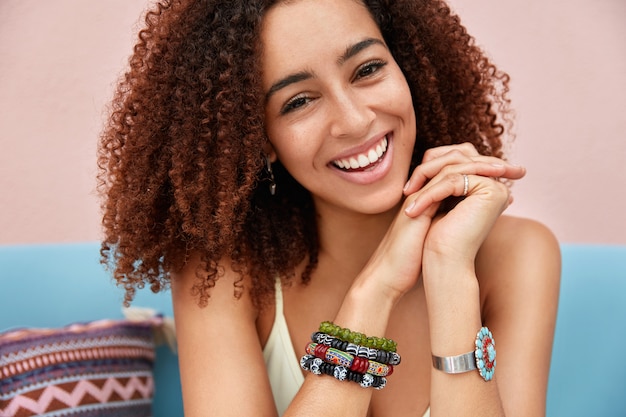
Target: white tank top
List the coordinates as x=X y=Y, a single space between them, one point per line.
x=283 y=365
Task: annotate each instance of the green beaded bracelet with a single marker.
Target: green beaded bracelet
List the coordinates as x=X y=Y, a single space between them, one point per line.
x=358 y=338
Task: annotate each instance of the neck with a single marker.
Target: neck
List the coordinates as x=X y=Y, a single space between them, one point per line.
x=348 y=240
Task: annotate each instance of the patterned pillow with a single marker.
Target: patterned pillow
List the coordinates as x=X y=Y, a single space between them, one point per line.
x=100 y=368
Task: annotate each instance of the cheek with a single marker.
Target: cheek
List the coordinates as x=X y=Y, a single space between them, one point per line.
x=401 y=97
x=295 y=149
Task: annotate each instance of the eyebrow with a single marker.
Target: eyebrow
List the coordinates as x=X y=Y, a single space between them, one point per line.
x=288 y=80
x=350 y=52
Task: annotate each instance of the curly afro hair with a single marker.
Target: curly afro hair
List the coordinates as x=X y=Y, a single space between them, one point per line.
x=181 y=160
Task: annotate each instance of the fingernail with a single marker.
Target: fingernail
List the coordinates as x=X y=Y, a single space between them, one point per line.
x=410 y=207
x=406 y=186
x=497 y=165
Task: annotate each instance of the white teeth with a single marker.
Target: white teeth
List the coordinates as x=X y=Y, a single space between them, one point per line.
x=363 y=160
x=372 y=156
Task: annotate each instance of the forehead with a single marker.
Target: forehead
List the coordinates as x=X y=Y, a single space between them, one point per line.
x=306 y=28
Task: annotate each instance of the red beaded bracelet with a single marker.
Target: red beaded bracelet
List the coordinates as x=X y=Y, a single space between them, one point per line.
x=354 y=363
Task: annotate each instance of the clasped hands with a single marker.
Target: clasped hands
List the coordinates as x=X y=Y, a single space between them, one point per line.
x=420 y=233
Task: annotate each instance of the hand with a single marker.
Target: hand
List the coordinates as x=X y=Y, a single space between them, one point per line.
x=396 y=264
x=457 y=235
x=416 y=232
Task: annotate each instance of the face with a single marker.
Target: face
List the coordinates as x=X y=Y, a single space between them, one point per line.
x=338 y=112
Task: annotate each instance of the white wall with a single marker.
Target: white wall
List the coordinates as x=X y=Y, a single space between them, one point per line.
x=59 y=60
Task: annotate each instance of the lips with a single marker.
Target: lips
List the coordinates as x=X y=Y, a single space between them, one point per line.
x=362 y=161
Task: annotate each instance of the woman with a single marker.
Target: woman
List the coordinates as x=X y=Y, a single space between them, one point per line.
x=257 y=161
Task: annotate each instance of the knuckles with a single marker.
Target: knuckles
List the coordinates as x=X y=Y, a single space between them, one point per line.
x=466 y=149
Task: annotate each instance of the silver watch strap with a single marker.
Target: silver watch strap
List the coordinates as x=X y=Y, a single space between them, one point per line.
x=455 y=364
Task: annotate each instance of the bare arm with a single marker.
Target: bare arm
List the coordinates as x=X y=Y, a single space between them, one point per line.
x=521 y=292
x=221 y=363
x=366 y=308
x=220 y=357
x=518 y=269
x=518 y=258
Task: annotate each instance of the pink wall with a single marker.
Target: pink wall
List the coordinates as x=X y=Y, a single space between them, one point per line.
x=59 y=60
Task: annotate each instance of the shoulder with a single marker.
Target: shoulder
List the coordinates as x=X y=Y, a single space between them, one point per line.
x=521 y=241
x=229 y=290
x=519 y=256
x=517 y=234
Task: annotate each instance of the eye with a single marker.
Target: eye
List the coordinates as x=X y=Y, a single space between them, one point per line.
x=295 y=103
x=368 y=69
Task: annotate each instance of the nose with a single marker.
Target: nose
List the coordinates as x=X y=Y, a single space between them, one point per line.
x=350 y=115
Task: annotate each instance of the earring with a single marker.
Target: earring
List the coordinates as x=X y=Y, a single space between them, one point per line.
x=269 y=171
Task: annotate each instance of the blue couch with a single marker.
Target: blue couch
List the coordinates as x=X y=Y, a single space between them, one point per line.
x=54 y=285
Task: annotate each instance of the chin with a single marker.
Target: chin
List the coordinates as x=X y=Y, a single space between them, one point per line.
x=380 y=204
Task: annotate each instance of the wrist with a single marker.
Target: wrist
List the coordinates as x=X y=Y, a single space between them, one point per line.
x=450 y=281
x=454 y=315
x=366 y=307
x=448 y=264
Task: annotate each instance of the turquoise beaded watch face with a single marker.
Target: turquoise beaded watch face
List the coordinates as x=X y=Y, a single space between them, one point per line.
x=485 y=354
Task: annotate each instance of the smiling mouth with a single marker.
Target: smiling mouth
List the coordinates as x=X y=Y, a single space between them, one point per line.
x=365 y=160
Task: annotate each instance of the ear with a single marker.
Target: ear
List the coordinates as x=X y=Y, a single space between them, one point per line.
x=268 y=149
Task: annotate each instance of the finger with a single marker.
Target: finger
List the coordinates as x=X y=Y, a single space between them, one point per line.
x=450 y=185
x=482 y=165
x=466 y=148
x=454 y=184
x=431 y=167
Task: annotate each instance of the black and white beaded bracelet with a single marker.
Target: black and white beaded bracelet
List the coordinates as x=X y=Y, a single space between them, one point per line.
x=319 y=367
x=378 y=355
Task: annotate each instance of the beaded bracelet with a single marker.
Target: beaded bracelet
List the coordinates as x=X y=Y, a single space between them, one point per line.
x=319 y=367
x=358 y=338
x=354 y=363
x=382 y=356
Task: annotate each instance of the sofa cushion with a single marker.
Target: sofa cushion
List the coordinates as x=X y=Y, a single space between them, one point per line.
x=51 y=285
x=101 y=368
